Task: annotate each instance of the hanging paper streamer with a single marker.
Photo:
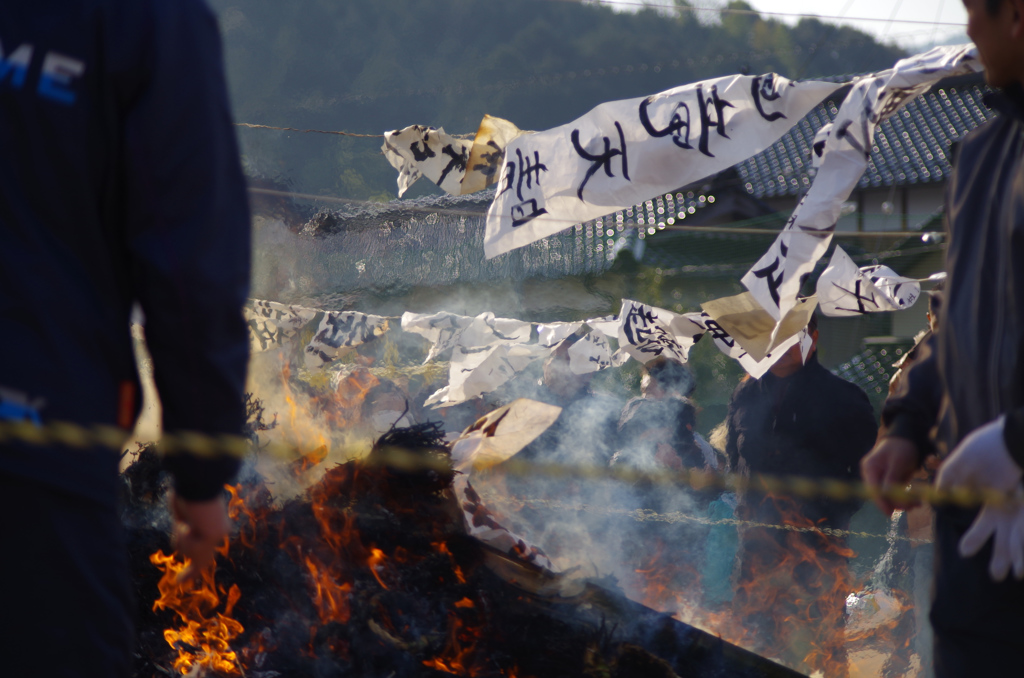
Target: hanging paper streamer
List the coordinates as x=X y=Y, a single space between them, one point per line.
x=272 y=324
x=843 y=149
x=624 y=152
x=447 y=330
x=475 y=372
x=457 y=166
x=845 y=290
x=647 y=332
x=342 y=329
x=427 y=151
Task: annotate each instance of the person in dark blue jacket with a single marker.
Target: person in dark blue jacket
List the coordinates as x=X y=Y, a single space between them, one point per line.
x=964 y=400
x=120 y=184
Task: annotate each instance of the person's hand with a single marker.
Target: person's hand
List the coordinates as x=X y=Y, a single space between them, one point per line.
x=199 y=528
x=891 y=463
x=1005 y=524
x=981 y=461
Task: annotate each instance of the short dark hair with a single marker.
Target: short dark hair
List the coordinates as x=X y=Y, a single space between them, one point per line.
x=993 y=6
x=672 y=376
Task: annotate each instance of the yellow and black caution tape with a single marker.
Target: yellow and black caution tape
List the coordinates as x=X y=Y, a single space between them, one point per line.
x=202 y=445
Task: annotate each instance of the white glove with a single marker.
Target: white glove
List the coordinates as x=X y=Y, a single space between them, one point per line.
x=1006 y=524
x=981 y=461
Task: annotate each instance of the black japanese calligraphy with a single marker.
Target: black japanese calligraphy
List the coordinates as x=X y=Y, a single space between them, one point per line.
x=520 y=172
x=763 y=88
x=601 y=160
x=846 y=130
x=717 y=333
x=676 y=126
x=458 y=161
x=706 y=121
x=491 y=161
x=647 y=336
x=421 y=154
x=859 y=297
x=344 y=329
x=774 y=282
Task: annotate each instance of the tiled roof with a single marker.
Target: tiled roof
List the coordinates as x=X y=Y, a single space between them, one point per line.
x=911 y=147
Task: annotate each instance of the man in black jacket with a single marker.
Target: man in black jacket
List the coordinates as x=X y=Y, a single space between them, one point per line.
x=965 y=401
x=119 y=184
x=798 y=419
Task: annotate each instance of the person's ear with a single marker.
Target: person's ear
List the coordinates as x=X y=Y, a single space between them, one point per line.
x=1016 y=19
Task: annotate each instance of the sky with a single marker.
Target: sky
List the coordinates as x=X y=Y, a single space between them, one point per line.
x=900 y=30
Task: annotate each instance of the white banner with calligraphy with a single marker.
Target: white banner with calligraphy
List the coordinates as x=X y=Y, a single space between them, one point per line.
x=624 y=152
x=845 y=290
x=844 y=148
x=647 y=332
x=272 y=323
x=457 y=166
x=342 y=329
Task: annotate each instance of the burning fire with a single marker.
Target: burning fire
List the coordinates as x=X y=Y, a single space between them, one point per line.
x=203 y=636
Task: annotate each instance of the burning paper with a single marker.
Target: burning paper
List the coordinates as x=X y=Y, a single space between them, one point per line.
x=457 y=166
x=498 y=435
x=843 y=149
x=624 y=152
x=491 y=440
x=342 y=329
x=272 y=323
x=845 y=290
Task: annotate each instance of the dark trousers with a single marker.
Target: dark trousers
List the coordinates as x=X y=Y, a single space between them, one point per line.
x=65 y=589
x=978 y=623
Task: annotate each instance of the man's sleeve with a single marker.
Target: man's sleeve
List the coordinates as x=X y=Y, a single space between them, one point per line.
x=912 y=411
x=188 y=234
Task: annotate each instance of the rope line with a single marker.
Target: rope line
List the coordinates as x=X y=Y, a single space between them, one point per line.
x=316 y=131
x=212 y=446
x=599 y=221
x=649 y=515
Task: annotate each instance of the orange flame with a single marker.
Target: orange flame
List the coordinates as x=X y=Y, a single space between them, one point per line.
x=442 y=547
x=203 y=637
x=457 y=656
x=330 y=597
x=376 y=563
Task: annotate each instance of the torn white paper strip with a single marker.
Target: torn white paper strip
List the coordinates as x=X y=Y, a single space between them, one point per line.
x=624 y=152
x=483 y=524
x=647 y=332
x=488 y=153
x=730 y=347
x=845 y=290
x=457 y=166
x=475 y=372
x=272 y=323
x=342 y=329
x=447 y=330
x=752 y=327
x=499 y=434
x=591 y=353
x=552 y=334
x=775 y=280
x=427 y=151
